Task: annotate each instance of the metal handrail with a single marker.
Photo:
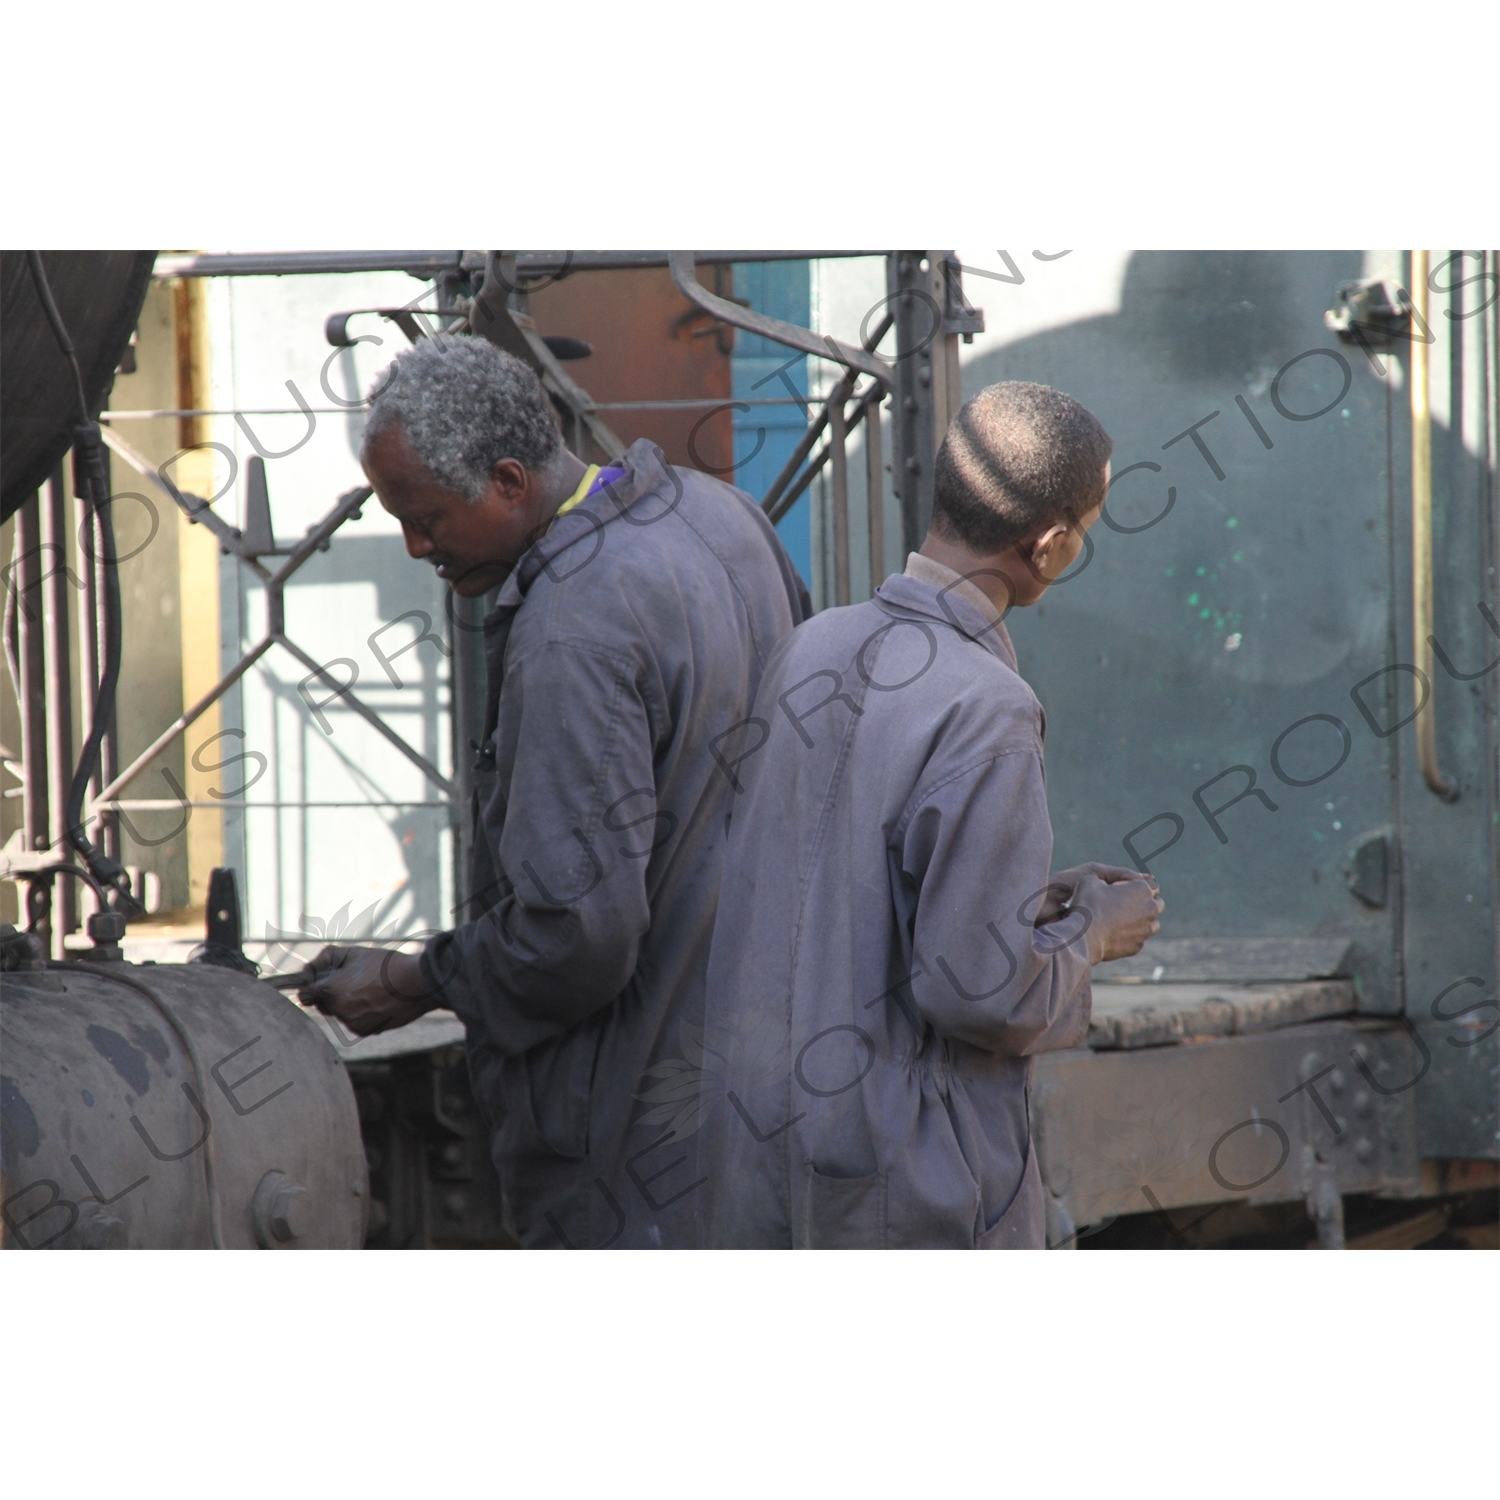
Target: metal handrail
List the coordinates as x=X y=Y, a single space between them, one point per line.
x=683 y=265
x=1421 y=532
x=429 y=263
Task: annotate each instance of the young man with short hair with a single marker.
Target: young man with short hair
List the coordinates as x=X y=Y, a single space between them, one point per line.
x=890 y=948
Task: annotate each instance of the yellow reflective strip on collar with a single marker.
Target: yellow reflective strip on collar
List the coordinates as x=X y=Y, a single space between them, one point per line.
x=584 y=485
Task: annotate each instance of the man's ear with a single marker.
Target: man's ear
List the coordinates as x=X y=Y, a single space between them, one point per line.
x=509 y=476
x=1034 y=551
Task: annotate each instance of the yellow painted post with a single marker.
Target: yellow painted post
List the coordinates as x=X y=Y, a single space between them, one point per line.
x=198 y=579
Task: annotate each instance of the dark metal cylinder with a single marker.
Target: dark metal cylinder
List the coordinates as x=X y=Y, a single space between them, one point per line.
x=172 y=1106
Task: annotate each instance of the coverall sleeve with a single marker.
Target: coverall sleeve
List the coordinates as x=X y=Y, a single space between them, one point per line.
x=977 y=849
x=572 y=845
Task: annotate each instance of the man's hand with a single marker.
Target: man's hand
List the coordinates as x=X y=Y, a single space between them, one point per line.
x=1122 y=913
x=1058 y=898
x=368 y=989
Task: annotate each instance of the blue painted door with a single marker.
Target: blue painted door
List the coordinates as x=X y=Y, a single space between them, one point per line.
x=764 y=436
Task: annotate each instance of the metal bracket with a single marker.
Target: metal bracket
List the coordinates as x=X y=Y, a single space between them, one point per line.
x=1368 y=870
x=959 y=317
x=1374 y=312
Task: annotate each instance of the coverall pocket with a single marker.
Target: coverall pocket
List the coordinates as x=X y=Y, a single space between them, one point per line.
x=1023 y=1225
x=844 y=1213
x=547 y=1093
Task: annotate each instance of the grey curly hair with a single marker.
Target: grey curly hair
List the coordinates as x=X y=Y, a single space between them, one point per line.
x=464 y=405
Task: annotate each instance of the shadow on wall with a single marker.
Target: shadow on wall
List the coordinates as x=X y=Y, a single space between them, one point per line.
x=404 y=587
x=1246 y=587
x=1195 y=331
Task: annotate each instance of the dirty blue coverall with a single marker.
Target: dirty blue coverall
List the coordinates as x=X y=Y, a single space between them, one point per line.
x=877 y=987
x=626 y=638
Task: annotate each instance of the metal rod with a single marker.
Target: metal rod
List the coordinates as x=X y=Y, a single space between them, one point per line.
x=231 y=411
x=26 y=578
x=771 y=504
x=840 y=457
x=59 y=691
x=307 y=263
x=1421 y=531
x=431 y=263
x=88 y=627
x=348 y=504
x=171 y=804
x=194 y=507
x=109 y=745
x=875 y=487
x=804 y=446
x=373 y=719
x=31 y=654
x=699 y=403
x=186 y=720
x=687 y=403
x=466 y=701
x=871 y=399
x=466 y=690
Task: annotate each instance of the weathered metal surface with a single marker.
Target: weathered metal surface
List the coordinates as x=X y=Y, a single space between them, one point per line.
x=1458 y=1096
x=1229 y=597
x=1238 y=960
x=1269 y=1118
x=1130 y=1016
x=151 y=1117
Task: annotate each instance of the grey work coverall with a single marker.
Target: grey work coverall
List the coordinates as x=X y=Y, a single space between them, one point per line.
x=627 y=636
x=876 y=987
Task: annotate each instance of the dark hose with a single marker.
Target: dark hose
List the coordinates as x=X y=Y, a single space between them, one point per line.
x=90 y=450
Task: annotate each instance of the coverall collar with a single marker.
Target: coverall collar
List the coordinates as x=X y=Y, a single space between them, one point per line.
x=648 y=486
x=929 y=588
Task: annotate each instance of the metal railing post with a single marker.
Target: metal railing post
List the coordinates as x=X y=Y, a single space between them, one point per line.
x=59 y=693
x=26 y=579
x=466 y=695
x=875 y=485
x=840 y=477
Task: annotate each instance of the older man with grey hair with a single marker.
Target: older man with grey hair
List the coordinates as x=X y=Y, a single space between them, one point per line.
x=637 y=606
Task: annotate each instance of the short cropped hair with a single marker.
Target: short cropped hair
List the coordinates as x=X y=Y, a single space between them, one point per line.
x=1017 y=457
x=464 y=405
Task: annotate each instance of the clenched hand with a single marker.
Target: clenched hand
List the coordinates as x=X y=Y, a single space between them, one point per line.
x=368 y=989
x=1123 y=914
x=1058 y=900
